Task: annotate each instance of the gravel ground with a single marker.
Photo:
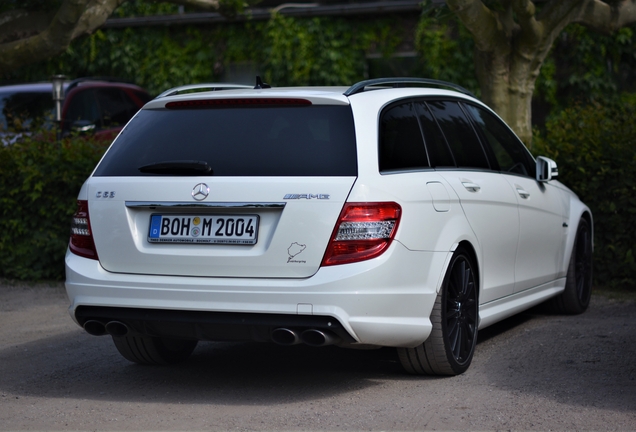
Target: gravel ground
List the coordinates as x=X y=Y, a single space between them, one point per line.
x=535 y=371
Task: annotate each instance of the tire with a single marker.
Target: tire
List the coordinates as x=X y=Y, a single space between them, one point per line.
x=578 y=285
x=450 y=347
x=153 y=350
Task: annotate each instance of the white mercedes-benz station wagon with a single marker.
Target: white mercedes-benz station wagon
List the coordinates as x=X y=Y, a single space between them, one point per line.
x=398 y=212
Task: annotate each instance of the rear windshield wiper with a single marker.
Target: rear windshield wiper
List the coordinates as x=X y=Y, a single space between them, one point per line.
x=178 y=167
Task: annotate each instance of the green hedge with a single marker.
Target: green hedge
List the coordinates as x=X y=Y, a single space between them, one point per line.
x=595 y=149
x=39 y=182
x=593 y=145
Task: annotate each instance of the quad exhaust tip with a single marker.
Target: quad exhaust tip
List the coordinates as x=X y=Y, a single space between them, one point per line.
x=311 y=337
x=281 y=336
x=285 y=336
x=113 y=328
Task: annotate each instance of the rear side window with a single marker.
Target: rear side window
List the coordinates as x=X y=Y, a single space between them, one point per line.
x=401 y=142
x=315 y=140
x=436 y=144
x=460 y=135
x=510 y=153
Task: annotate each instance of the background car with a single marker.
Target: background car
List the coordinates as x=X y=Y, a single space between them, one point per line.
x=99 y=105
x=390 y=213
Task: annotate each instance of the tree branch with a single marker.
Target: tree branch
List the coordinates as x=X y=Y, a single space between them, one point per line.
x=526 y=11
x=95 y=15
x=483 y=23
x=607 y=18
x=46 y=44
x=20 y=24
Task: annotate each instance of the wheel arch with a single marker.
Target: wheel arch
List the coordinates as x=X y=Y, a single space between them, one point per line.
x=472 y=252
x=579 y=211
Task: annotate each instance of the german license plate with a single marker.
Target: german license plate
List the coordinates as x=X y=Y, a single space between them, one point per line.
x=214 y=229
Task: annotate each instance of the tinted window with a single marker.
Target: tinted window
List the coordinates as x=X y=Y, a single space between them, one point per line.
x=436 y=144
x=401 y=143
x=19 y=110
x=117 y=108
x=142 y=96
x=254 y=141
x=82 y=106
x=510 y=153
x=459 y=134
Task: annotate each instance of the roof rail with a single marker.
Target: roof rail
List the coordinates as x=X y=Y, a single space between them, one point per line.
x=403 y=82
x=193 y=88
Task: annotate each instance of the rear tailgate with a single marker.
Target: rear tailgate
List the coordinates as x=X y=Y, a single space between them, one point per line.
x=292 y=221
x=241 y=186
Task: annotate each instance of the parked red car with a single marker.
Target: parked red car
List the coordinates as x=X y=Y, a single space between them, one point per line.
x=97 y=105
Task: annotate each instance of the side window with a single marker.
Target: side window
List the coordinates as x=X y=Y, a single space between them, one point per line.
x=510 y=153
x=459 y=134
x=82 y=106
x=401 y=142
x=117 y=108
x=436 y=145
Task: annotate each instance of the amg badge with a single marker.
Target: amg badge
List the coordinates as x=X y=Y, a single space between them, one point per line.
x=306 y=196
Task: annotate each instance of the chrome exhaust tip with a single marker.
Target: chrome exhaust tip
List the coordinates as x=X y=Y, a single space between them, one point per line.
x=116 y=328
x=285 y=336
x=318 y=338
x=95 y=328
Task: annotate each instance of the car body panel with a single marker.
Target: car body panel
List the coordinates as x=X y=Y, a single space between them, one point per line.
x=483 y=195
x=292 y=236
x=384 y=298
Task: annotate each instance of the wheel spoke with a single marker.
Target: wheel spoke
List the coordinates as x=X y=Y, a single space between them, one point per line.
x=461 y=310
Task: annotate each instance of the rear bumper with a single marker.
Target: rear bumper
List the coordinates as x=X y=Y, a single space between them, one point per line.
x=386 y=301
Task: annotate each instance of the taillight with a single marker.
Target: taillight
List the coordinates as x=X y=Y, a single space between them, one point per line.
x=82 y=243
x=363 y=231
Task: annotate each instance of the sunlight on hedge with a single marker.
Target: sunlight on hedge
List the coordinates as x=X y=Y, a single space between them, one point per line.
x=39 y=181
x=595 y=149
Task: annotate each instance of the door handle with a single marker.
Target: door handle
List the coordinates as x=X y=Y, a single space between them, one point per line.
x=523 y=193
x=471 y=187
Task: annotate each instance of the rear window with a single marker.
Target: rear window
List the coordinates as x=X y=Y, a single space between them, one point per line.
x=246 y=141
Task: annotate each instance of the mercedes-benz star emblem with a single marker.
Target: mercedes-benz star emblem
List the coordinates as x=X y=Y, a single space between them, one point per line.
x=200 y=192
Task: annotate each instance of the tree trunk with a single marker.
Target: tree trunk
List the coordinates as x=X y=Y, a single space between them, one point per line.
x=507 y=81
x=513 y=39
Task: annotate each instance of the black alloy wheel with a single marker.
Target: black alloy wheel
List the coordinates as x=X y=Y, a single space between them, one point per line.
x=460 y=317
x=450 y=347
x=576 y=296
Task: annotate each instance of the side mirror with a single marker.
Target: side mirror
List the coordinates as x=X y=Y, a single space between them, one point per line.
x=546 y=169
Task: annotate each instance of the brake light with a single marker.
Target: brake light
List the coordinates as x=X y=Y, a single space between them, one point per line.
x=363 y=231
x=241 y=102
x=81 y=242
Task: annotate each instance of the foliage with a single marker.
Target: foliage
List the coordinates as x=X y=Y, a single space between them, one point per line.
x=287 y=51
x=133 y=8
x=587 y=66
x=319 y=50
x=39 y=181
x=445 y=48
x=595 y=148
